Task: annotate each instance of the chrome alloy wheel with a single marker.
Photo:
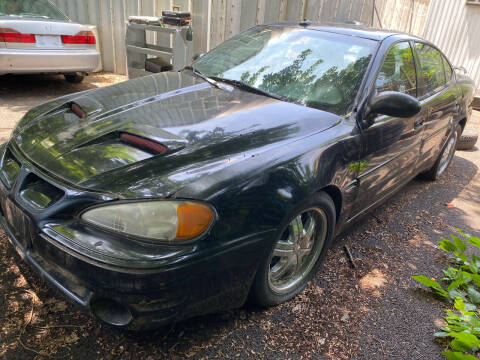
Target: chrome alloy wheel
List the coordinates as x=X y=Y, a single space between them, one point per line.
x=448 y=153
x=297 y=251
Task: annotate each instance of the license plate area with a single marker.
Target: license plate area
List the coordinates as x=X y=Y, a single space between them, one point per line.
x=19 y=223
x=48 y=41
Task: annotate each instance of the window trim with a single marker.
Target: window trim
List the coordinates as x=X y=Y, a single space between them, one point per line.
x=384 y=57
x=440 y=88
x=452 y=74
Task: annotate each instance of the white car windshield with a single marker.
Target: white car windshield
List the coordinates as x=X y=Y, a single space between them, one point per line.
x=42 y=9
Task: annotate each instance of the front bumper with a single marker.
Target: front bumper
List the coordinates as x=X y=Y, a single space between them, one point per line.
x=153 y=298
x=209 y=278
x=26 y=61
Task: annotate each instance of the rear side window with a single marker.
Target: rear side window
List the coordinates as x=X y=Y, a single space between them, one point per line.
x=398 y=71
x=433 y=71
x=41 y=9
x=448 y=69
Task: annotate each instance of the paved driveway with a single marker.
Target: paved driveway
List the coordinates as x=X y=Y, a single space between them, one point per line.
x=19 y=93
x=373 y=311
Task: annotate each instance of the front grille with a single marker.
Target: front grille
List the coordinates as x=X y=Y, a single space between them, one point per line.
x=39 y=193
x=10 y=169
x=18 y=222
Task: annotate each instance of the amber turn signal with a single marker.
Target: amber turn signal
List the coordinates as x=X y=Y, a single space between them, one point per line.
x=193 y=220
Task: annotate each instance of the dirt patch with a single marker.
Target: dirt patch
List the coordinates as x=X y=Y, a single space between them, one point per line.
x=373 y=281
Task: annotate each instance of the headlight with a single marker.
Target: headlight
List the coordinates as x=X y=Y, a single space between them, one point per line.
x=154 y=221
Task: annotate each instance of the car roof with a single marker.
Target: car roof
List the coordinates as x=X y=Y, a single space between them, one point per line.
x=351 y=29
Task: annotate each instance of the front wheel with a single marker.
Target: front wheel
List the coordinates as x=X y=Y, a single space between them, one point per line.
x=297 y=253
x=446 y=156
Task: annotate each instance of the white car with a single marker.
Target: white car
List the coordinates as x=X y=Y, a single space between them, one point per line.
x=36 y=37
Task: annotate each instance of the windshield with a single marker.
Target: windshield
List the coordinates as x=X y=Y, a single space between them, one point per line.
x=308 y=67
x=30 y=9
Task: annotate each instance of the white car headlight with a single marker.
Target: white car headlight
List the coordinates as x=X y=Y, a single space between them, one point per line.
x=154 y=221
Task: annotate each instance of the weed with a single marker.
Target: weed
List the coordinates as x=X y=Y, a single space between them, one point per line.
x=460 y=287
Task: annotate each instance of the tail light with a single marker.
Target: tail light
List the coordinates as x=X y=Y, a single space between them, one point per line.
x=83 y=37
x=13 y=36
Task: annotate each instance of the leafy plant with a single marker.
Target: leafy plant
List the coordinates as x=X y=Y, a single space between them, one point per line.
x=460 y=287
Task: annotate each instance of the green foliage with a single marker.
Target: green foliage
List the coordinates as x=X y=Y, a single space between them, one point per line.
x=460 y=286
x=450 y=355
x=422 y=279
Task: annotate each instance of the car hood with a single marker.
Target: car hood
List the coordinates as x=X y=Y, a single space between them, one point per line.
x=203 y=128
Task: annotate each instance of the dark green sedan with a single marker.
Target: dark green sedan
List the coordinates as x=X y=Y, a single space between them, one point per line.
x=185 y=193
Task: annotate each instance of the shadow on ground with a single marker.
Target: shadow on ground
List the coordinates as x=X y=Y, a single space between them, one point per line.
x=33 y=85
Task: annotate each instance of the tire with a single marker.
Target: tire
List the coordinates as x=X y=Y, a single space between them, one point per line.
x=444 y=160
x=467 y=140
x=74 y=78
x=270 y=287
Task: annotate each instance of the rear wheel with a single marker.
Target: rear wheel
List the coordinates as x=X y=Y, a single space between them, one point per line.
x=74 y=78
x=446 y=156
x=297 y=253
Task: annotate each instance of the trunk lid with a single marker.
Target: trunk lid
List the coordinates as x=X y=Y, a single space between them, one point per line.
x=42 y=34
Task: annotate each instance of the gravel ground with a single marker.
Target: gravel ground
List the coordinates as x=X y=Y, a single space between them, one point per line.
x=372 y=311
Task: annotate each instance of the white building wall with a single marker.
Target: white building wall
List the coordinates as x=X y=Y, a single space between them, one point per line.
x=454 y=26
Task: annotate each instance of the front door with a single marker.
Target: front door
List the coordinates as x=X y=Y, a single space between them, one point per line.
x=392 y=145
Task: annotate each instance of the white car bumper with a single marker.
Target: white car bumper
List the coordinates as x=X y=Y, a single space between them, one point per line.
x=26 y=61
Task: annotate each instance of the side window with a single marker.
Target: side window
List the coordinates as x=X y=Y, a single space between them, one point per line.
x=398 y=71
x=448 y=69
x=433 y=71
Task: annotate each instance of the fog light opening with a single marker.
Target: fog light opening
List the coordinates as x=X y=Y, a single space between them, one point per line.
x=111 y=312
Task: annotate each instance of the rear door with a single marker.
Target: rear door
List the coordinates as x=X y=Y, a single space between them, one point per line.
x=438 y=94
x=392 y=145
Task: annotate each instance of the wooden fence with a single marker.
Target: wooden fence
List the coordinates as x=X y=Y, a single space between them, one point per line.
x=217 y=20
x=221 y=19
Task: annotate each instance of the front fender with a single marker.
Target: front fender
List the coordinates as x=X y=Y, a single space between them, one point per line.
x=257 y=194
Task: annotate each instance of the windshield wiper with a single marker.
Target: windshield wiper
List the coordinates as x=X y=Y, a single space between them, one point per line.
x=244 y=86
x=203 y=76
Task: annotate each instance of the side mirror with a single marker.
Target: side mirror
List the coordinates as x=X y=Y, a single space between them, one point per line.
x=393 y=103
x=198 y=56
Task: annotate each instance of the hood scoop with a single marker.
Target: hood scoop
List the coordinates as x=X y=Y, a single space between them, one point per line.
x=85 y=107
x=149 y=139
x=82 y=107
x=154 y=137
x=143 y=143
x=124 y=147
x=77 y=110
